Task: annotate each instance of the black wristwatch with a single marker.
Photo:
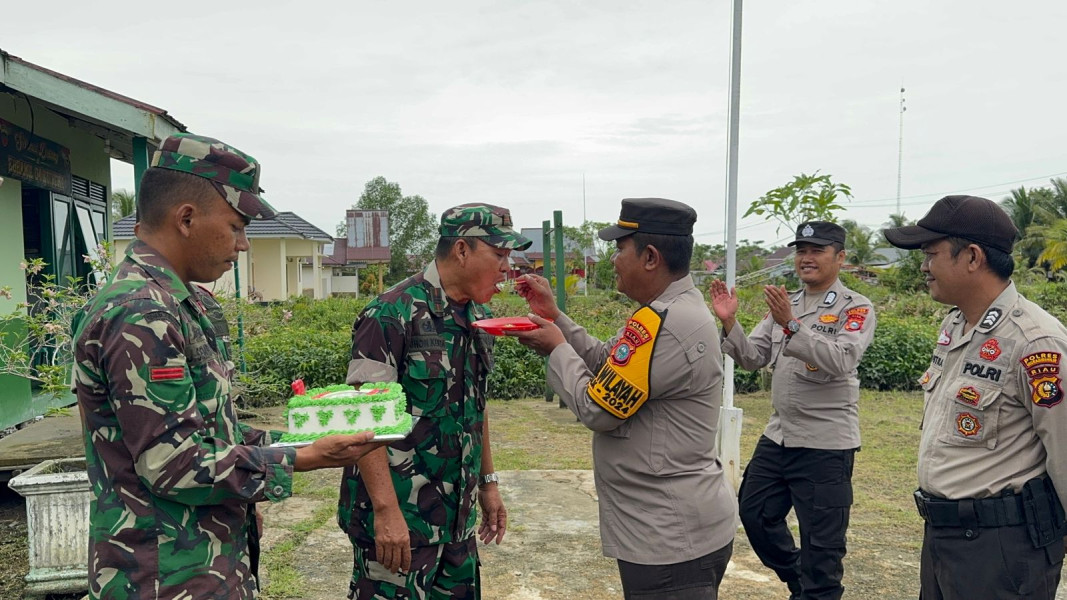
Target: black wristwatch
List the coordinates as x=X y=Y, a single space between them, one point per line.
x=792 y=327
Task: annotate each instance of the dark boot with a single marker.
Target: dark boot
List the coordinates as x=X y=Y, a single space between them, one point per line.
x=794 y=589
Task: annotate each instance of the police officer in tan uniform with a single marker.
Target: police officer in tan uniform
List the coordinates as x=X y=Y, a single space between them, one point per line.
x=813 y=340
x=993 y=451
x=651 y=394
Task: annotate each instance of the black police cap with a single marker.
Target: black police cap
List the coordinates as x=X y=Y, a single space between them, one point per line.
x=972 y=218
x=651 y=215
x=821 y=233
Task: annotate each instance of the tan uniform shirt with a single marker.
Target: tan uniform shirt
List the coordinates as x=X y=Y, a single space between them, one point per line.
x=663 y=496
x=814 y=388
x=994 y=415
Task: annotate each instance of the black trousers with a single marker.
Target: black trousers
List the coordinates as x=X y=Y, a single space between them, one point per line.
x=817 y=484
x=997 y=563
x=696 y=579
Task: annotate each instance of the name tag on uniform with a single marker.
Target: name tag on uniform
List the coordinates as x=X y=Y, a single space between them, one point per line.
x=621 y=385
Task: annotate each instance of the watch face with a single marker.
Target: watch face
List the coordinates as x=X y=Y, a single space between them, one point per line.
x=794 y=326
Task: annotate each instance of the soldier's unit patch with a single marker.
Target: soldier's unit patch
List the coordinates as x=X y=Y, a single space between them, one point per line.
x=968 y=424
x=969 y=395
x=1043 y=370
x=828 y=318
x=990 y=350
x=621 y=385
x=925 y=379
x=166 y=373
x=854 y=318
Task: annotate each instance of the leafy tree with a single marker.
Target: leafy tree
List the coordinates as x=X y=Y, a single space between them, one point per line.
x=807 y=198
x=701 y=253
x=1055 y=250
x=583 y=240
x=123 y=204
x=412 y=227
x=860 y=243
x=897 y=220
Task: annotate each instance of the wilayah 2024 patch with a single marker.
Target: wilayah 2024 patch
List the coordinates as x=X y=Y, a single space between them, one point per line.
x=621 y=385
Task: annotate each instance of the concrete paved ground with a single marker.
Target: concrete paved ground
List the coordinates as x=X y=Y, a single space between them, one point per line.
x=551 y=551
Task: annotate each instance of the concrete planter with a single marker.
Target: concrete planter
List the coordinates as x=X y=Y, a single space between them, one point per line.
x=57 y=519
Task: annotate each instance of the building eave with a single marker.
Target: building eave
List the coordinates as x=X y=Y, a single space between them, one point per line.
x=114 y=117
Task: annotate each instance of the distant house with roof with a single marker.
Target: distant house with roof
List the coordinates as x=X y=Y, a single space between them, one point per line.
x=533 y=258
x=366 y=243
x=286 y=258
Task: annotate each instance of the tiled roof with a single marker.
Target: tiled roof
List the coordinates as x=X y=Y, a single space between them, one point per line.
x=286 y=225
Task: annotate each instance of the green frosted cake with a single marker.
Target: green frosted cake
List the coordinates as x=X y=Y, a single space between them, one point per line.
x=381 y=407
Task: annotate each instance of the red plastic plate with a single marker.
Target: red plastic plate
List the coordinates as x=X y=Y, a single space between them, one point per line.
x=501 y=325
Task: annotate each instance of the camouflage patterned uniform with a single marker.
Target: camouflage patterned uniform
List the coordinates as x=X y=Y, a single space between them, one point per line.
x=414 y=334
x=173 y=473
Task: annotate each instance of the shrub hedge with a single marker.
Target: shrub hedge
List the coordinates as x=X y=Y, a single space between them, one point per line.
x=311 y=340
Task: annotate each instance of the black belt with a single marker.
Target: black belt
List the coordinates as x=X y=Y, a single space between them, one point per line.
x=1001 y=511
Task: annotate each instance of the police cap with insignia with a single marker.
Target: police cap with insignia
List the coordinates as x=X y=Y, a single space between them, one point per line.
x=651 y=215
x=969 y=217
x=820 y=233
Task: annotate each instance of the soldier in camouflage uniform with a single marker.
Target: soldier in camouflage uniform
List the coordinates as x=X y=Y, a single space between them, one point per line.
x=174 y=475
x=409 y=509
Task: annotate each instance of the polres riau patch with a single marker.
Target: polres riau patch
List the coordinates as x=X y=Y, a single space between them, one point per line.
x=621 y=385
x=1043 y=371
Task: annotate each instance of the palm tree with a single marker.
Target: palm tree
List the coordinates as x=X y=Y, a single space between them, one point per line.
x=1022 y=207
x=860 y=243
x=1055 y=250
x=897 y=220
x=123 y=204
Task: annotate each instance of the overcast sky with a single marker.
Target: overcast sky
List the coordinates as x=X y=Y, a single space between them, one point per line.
x=513 y=103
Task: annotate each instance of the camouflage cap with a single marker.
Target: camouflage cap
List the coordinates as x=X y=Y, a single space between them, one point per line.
x=233 y=173
x=491 y=223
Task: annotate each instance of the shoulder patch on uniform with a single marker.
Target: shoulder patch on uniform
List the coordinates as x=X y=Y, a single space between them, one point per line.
x=159 y=315
x=166 y=373
x=621 y=385
x=854 y=318
x=991 y=318
x=1043 y=372
x=944 y=339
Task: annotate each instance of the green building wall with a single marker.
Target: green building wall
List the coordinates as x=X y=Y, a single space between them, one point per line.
x=88 y=160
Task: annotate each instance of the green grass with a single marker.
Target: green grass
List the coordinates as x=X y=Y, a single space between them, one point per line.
x=884 y=475
x=534 y=434
x=285 y=581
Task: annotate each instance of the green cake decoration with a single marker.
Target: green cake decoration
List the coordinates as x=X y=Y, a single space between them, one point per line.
x=351 y=414
x=378 y=410
x=326 y=403
x=324 y=417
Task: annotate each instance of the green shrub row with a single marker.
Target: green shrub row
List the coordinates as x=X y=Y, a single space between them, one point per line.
x=311 y=340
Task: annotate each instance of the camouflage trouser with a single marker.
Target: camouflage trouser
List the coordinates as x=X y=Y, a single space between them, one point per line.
x=438 y=572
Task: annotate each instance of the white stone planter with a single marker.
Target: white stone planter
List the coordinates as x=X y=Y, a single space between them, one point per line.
x=57 y=520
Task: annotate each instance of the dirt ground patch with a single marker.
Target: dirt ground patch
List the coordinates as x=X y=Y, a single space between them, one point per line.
x=553 y=550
